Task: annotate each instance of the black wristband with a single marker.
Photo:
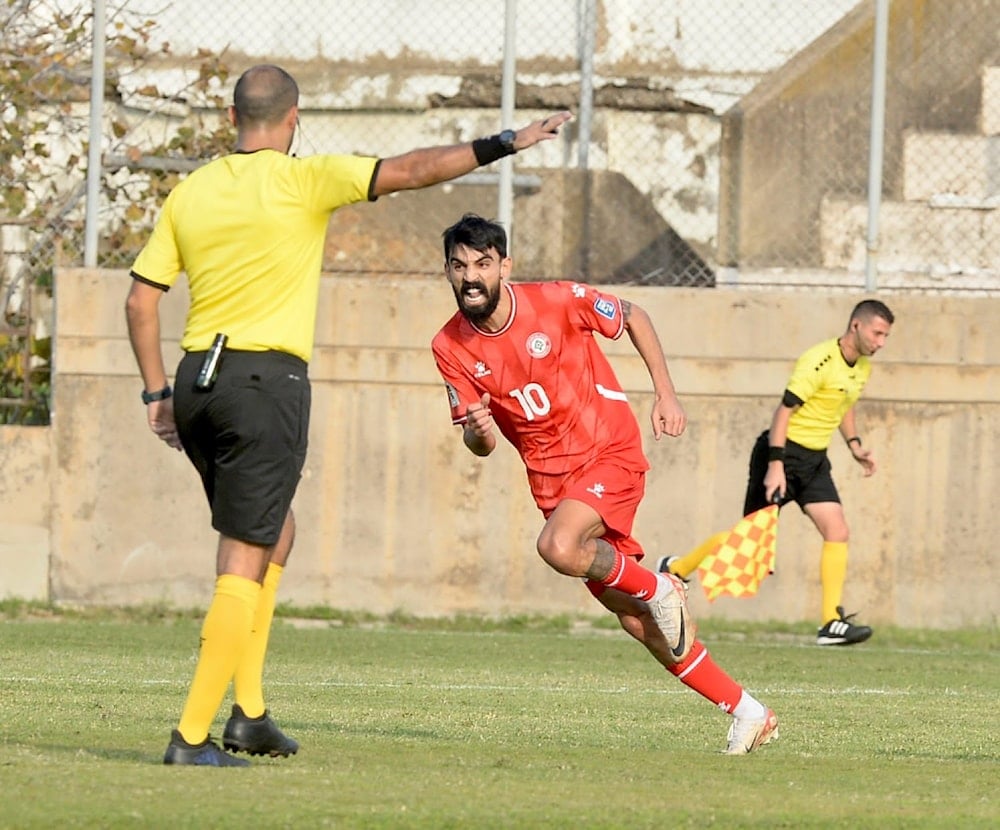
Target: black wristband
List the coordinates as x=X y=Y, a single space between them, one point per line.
x=775 y=454
x=488 y=150
x=159 y=395
x=851 y=440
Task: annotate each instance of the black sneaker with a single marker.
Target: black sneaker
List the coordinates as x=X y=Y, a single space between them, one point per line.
x=205 y=754
x=258 y=736
x=842 y=632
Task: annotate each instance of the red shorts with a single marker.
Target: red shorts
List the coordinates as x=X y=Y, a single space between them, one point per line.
x=614 y=493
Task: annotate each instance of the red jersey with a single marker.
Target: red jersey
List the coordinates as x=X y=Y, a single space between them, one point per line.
x=553 y=394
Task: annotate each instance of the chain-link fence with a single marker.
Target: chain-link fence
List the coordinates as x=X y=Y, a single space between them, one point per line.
x=796 y=167
x=717 y=141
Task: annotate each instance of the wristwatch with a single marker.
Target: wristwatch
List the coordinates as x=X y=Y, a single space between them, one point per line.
x=159 y=395
x=507 y=138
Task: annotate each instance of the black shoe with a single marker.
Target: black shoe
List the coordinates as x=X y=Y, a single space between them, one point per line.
x=205 y=754
x=258 y=736
x=842 y=632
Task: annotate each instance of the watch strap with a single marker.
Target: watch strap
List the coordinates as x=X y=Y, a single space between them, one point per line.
x=159 y=395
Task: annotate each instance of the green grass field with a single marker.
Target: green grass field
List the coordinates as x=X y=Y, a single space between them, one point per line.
x=512 y=724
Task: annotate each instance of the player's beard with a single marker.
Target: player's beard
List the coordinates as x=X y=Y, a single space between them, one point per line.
x=478 y=314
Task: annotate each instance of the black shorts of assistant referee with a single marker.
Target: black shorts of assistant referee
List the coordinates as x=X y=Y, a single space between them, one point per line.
x=247 y=437
x=808 y=476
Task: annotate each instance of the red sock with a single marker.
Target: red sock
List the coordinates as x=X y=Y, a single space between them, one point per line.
x=700 y=672
x=629 y=576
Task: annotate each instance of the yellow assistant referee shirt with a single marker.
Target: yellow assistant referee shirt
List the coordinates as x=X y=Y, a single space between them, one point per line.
x=828 y=387
x=249 y=229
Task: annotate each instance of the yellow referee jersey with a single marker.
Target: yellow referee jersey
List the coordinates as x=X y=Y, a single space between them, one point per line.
x=248 y=229
x=829 y=387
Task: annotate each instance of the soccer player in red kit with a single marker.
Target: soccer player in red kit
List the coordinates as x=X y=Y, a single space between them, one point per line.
x=522 y=357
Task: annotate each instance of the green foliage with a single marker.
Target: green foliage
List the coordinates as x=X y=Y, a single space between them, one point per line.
x=443 y=728
x=42 y=59
x=45 y=77
x=25 y=378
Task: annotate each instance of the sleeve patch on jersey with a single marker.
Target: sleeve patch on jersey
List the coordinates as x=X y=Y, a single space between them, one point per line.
x=606 y=308
x=452 y=395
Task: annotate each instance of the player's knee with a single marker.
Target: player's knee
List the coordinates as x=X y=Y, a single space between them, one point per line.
x=560 y=551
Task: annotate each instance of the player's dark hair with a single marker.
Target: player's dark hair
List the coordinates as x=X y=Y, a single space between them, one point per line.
x=867 y=309
x=477 y=233
x=264 y=94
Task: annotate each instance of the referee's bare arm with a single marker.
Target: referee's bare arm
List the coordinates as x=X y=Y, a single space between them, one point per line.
x=142 y=313
x=432 y=165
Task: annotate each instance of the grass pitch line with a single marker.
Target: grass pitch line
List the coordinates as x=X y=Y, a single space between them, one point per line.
x=845 y=691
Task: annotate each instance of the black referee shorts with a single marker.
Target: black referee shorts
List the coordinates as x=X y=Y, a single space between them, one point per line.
x=808 y=476
x=247 y=437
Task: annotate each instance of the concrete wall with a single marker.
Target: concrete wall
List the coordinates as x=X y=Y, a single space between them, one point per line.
x=25 y=511
x=596 y=223
x=801 y=134
x=394 y=514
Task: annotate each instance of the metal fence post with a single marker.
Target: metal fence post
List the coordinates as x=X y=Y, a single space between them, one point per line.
x=508 y=100
x=586 y=114
x=94 y=149
x=876 y=144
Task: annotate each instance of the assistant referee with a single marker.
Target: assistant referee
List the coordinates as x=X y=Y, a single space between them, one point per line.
x=789 y=461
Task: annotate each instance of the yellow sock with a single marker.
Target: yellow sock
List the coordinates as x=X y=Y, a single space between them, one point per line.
x=832 y=574
x=224 y=636
x=248 y=681
x=689 y=562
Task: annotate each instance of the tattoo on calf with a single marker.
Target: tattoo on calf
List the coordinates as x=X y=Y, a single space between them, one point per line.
x=604 y=561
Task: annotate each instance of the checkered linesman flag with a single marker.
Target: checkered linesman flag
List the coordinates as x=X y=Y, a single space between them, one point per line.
x=743 y=560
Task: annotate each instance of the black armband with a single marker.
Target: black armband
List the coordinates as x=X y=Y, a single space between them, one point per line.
x=775 y=454
x=852 y=440
x=488 y=150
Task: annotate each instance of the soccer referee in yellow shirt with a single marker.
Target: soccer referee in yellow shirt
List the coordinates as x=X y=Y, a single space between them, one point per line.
x=248 y=230
x=790 y=459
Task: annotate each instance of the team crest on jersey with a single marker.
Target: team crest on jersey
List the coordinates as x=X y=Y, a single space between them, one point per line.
x=579 y=291
x=452 y=395
x=482 y=370
x=538 y=344
x=605 y=307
